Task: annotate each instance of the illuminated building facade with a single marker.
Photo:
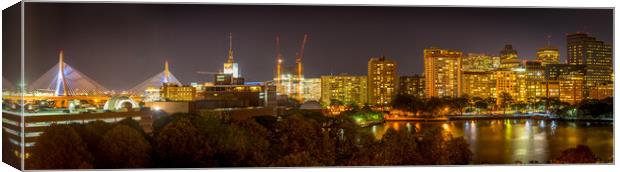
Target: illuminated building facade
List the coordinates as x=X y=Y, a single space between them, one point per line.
x=290 y=83
x=569 y=81
x=572 y=87
x=583 y=49
x=548 y=55
x=535 y=83
x=37 y=123
x=230 y=67
x=601 y=91
x=381 y=81
x=478 y=83
x=344 y=88
x=227 y=79
x=442 y=72
x=508 y=53
x=173 y=92
x=411 y=85
x=237 y=96
x=586 y=50
x=480 y=62
x=312 y=89
x=506 y=81
x=152 y=94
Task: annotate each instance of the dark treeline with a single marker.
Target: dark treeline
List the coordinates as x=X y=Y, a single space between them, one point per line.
x=434 y=106
x=190 y=141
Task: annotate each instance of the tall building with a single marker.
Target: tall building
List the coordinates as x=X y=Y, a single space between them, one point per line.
x=548 y=55
x=442 y=72
x=596 y=55
x=230 y=67
x=535 y=85
x=312 y=89
x=506 y=81
x=411 y=85
x=586 y=50
x=344 y=88
x=508 y=53
x=381 y=81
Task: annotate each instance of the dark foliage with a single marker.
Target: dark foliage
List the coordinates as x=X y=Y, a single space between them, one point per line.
x=301 y=138
x=580 y=154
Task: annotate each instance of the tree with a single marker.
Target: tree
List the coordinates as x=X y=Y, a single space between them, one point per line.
x=300 y=159
x=181 y=144
x=481 y=104
x=124 y=147
x=402 y=102
x=506 y=100
x=458 y=151
x=520 y=106
x=60 y=147
x=460 y=103
x=92 y=133
x=580 y=154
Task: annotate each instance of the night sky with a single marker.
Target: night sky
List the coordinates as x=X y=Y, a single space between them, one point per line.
x=121 y=45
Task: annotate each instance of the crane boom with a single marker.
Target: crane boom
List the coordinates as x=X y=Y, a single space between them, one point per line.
x=303 y=46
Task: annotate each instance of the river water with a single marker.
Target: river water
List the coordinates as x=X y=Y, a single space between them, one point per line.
x=507 y=141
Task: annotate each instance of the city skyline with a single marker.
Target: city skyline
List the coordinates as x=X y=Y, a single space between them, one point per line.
x=145 y=40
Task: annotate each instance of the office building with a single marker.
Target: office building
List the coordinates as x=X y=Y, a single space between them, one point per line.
x=312 y=89
x=442 y=72
x=381 y=81
x=344 y=88
x=411 y=85
x=173 y=92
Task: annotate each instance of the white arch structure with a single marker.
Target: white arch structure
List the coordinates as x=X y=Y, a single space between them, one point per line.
x=116 y=103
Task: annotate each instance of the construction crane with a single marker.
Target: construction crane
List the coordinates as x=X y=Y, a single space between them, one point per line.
x=206 y=73
x=299 y=67
x=278 y=63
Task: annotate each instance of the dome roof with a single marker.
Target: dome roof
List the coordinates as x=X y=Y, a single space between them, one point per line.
x=311 y=105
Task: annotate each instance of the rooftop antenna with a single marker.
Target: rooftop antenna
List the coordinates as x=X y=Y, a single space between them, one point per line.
x=548 y=40
x=230 y=51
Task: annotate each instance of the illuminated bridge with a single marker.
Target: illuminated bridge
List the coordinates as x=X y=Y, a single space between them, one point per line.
x=155 y=81
x=63 y=83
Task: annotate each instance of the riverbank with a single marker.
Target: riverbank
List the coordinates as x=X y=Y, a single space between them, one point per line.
x=484 y=117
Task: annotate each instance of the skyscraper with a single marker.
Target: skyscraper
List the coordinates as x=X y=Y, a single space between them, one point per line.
x=442 y=71
x=230 y=67
x=381 y=81
x=584 y=49
x=596 y=55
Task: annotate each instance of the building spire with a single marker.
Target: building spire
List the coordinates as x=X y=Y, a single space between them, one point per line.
x=548 y=40
x=230 y=51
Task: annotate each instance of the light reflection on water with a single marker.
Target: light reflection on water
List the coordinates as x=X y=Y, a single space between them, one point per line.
x=507 y=141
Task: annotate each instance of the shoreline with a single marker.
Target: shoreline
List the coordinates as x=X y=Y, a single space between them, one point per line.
x=479 y=117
